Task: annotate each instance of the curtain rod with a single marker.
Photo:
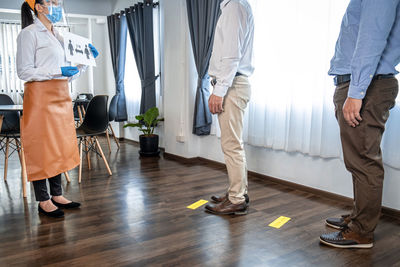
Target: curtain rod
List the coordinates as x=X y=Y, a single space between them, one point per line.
x=147 y=2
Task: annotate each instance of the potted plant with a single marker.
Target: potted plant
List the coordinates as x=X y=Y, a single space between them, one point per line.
x=146 y=124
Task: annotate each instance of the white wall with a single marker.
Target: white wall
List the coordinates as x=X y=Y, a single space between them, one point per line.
x=90 y=7
x=179 y=79
x=122 y=4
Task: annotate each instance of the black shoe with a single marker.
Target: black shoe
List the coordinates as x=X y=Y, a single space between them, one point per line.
x=71 y=205
x=220 y=199
x=338 y=223
x=54 y=214
x=346 y=239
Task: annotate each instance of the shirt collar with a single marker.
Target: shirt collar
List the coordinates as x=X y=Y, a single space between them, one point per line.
x=40 y=25
x=224 y=3
x=43 y=28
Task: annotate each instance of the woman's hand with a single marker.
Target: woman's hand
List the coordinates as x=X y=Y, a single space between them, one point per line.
x=69 y=71
x=94 y=51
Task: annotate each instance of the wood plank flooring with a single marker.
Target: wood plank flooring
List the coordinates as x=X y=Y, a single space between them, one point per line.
x=138 y=217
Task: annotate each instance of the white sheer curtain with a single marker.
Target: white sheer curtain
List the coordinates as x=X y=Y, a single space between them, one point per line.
x=10 y=84
x=133 y=90
x=291 y=108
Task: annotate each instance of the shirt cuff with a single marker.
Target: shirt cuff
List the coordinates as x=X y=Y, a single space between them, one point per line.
x=357 y=92
x=220 y=90
x=82 y=68
x=57 y=72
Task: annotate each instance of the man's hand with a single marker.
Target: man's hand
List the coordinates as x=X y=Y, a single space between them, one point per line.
x=351 y=111
x=215 y=104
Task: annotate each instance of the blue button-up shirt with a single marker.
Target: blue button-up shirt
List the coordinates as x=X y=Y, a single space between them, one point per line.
x=368 y=43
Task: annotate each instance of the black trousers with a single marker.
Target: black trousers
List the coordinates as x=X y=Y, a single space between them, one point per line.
x=41 y=188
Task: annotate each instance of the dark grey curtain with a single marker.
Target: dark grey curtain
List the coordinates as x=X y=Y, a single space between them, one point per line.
x=140 y=25
x=203 y=16
x=117 y=31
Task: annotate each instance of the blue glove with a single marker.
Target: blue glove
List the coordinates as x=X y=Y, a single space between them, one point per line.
x=69 y=71
x=94 y=51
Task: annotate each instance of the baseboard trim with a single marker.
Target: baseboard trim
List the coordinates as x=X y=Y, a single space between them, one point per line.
x=129 y=141
x=180 y=158
x=339 y=198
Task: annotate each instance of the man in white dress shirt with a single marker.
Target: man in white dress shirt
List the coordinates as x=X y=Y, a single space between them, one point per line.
x=230 y=67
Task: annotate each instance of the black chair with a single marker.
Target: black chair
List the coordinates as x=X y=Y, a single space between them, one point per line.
x=112 y=113
x=94 y=124
x=10 y=131
x=81 y=106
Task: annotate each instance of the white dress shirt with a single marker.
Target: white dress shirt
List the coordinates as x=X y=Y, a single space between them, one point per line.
x=233 y=45
x=40 y=54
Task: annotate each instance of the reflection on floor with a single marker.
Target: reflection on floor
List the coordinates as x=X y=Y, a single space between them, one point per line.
x=139 y=217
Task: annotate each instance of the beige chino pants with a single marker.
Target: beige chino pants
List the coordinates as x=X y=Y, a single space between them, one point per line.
x=231 y=124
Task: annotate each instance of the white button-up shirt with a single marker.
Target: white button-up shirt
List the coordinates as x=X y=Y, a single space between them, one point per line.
x=233 y=44
x=40 y=54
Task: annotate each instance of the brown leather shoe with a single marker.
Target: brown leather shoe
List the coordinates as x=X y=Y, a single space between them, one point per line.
x=220 y=199
x=227 y=208
x=338 y=223
x=346 y=238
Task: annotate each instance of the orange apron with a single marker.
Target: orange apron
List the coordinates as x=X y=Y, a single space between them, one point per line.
x=48 y=130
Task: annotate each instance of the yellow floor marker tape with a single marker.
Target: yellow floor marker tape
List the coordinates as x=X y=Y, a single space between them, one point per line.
x=197 y=204
x=278 y=223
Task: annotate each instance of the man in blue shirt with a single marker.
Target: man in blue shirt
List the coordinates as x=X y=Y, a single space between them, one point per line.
x=367 y=52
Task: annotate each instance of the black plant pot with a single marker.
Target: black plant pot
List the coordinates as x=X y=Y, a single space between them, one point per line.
x=149 y=145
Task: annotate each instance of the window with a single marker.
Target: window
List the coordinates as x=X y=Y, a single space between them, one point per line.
x=133 y=88
x=10 y=84
x=291 y=107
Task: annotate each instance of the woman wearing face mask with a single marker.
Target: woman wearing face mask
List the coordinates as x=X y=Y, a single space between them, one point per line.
x=47 y=128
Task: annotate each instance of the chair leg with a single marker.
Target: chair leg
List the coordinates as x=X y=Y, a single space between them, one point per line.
x=91 y=142
x=1 y=121
x=83 y=110
x=80 y=163
x=115 y=137
x=23 y=166
x=88 y=154
x=80 y=114
x=102 y=155
x=67 y=177
x=6 y=158
x=108 y=141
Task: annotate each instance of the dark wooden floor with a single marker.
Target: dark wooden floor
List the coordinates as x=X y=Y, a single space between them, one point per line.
x=138 y=217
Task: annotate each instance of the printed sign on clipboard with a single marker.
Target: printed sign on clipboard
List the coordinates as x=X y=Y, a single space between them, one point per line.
x=77 y=49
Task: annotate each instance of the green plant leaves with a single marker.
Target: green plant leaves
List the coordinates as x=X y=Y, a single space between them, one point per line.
x=148 y=120
x=150 y=116
x=133 y=125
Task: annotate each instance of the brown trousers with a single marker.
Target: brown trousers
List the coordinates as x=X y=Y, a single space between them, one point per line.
x=362 y=151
